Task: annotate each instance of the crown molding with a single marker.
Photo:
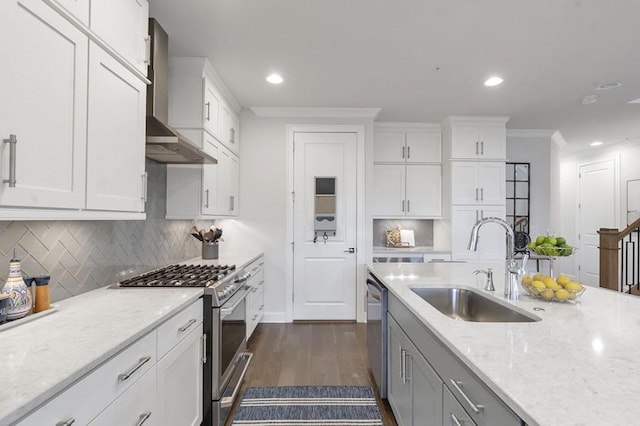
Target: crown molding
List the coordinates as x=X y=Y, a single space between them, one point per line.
x=315 y=112
x=530 y=133
x=383 y=125
x=473 y=120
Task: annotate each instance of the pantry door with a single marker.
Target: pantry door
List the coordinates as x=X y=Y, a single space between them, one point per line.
x=324 y=263
x=596 y=209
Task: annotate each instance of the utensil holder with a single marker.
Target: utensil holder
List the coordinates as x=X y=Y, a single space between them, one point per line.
x=209 y=250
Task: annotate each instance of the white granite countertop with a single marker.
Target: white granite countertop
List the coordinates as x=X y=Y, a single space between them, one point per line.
x=43 y=356
x=415 y=249
x=579 y=365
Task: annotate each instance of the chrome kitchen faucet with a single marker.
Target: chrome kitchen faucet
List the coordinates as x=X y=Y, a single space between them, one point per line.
x=511 y=269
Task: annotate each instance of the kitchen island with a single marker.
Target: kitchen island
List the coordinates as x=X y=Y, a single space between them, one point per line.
x=576 y=366
x=46 y=355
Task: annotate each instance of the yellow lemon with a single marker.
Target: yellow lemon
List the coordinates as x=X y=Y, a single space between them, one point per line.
x=561 y=294
x=539 y=277
x=563 y=279
x=547 y=294
x=527 y=280
x=537 y=287
x=574 y=286
x=571 y=295
x=551 y=283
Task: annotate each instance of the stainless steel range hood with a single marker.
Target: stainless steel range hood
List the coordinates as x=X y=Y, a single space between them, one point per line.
x=165 y=144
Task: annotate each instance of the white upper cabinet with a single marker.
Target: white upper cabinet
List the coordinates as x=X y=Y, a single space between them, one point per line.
x=478 y=182
x=211 y=109
x=230 y=129
x=43 y=81
x=412 y=190
x=394 y=143
x=123 y=25
x=78 y=8
x=228 y=177
x=476 y=138
x=116 y=179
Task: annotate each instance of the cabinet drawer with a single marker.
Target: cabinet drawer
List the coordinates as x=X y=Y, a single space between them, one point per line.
x=135 y=406
x=452 y=412
x=178 y=327
x=104 y=385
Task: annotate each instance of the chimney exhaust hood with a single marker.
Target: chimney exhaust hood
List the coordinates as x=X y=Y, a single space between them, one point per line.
x=163 y=143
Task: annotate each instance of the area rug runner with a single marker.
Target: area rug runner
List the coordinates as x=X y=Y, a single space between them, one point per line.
x=308 y=406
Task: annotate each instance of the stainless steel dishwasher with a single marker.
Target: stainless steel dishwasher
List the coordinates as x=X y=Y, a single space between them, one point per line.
x=377 y=332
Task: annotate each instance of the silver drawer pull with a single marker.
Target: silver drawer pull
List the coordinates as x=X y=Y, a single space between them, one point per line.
x=67 y=422
x=12 y=141
x=187 y=325
x=261 y=307
x=204 y=348
x=475 y=407
x=142 y=361
x=254 y=317
x=143 y=418
x=455 y=421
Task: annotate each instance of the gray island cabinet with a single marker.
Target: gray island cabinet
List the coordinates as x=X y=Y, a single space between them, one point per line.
x=428 y=385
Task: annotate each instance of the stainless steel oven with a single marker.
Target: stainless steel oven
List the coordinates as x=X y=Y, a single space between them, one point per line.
x=229 y=359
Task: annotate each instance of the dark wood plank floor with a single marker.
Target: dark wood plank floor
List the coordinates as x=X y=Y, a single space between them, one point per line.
x=311 y=353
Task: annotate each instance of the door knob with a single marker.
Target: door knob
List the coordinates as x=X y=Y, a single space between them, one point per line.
x=350 y=250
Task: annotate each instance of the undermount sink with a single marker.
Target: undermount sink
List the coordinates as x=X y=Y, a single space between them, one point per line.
x=469 y=305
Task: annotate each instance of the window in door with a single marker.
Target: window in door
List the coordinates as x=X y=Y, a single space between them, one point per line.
x=518 y=190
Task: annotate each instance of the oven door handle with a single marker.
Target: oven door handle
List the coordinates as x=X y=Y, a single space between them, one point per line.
x=226 y=311
x=227 y=401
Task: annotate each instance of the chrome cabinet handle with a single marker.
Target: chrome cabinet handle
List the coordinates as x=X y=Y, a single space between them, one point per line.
x=143 y=418
x=204 y=348
x=142 y=361
x=477 y=151
x=261 y=307
x=147 y=50
x=476 y=215
x=481 y=214
x=475 y=407
x=455 y=421
x=208 y=106
x=403 y=148
x=403 y=354
x=12 y=141
x=187 y=325
x=231 y=203
x=481 y=194
x=67 y=422
x=145 y=179
x=482 y=148
x=232 y=135
x=408 y=152
x=408 y=206
x=476 y=194
x=206 y=203
x=403 y=206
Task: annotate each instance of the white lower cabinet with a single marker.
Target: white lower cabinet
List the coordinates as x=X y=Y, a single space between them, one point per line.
x=180 y=382
x=415 y=390
x=255 y=299
x=157 y=380
x=429 y=385
x=491 y=241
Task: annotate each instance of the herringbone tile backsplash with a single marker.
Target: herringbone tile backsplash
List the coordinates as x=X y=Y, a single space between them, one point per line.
x=85 y=255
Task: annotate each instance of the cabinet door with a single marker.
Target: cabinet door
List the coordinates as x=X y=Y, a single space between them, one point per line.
x=464 y=185
x=389 y=147
x=43 y=81
x=491 y=242
x=491 y=181
x=210 y=178
x=493 y=142
x=136 y=406
x=423 y=190
x=426 y=392
x=123 y=25
x=211 y=111
x=399 y=390
x=180 y=383
x=78 y=8
x=116 y=126
x=452 y=412
x=227 y=182
x=229 y=135
x=424 y=147
x=464 y=142
x=389 y=190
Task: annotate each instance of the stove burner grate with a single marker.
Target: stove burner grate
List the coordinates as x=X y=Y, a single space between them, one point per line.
x=180 y=276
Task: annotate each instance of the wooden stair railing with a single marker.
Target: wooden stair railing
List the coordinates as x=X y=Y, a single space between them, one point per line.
x=610 y=240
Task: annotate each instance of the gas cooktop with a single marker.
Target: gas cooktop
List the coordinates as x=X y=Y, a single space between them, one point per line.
x=181 y=276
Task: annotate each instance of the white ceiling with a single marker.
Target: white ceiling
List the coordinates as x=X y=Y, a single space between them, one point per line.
x=422 y=60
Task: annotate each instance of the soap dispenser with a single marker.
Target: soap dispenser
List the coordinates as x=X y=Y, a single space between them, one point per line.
x=19 y=303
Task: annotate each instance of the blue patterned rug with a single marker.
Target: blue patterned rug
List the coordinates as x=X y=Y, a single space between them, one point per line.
x=308 y=406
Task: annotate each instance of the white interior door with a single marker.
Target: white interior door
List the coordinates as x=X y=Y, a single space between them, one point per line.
x=596 y=209
x=324 y=271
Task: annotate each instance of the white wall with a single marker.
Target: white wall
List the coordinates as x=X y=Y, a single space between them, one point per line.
x=263 y=198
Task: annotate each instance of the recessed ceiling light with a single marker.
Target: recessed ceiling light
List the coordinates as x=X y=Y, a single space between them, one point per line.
x=596 y=143
x=493 y=81
x=590 y=99
x=635 y=101
x=609 y=86
x=275 y=79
